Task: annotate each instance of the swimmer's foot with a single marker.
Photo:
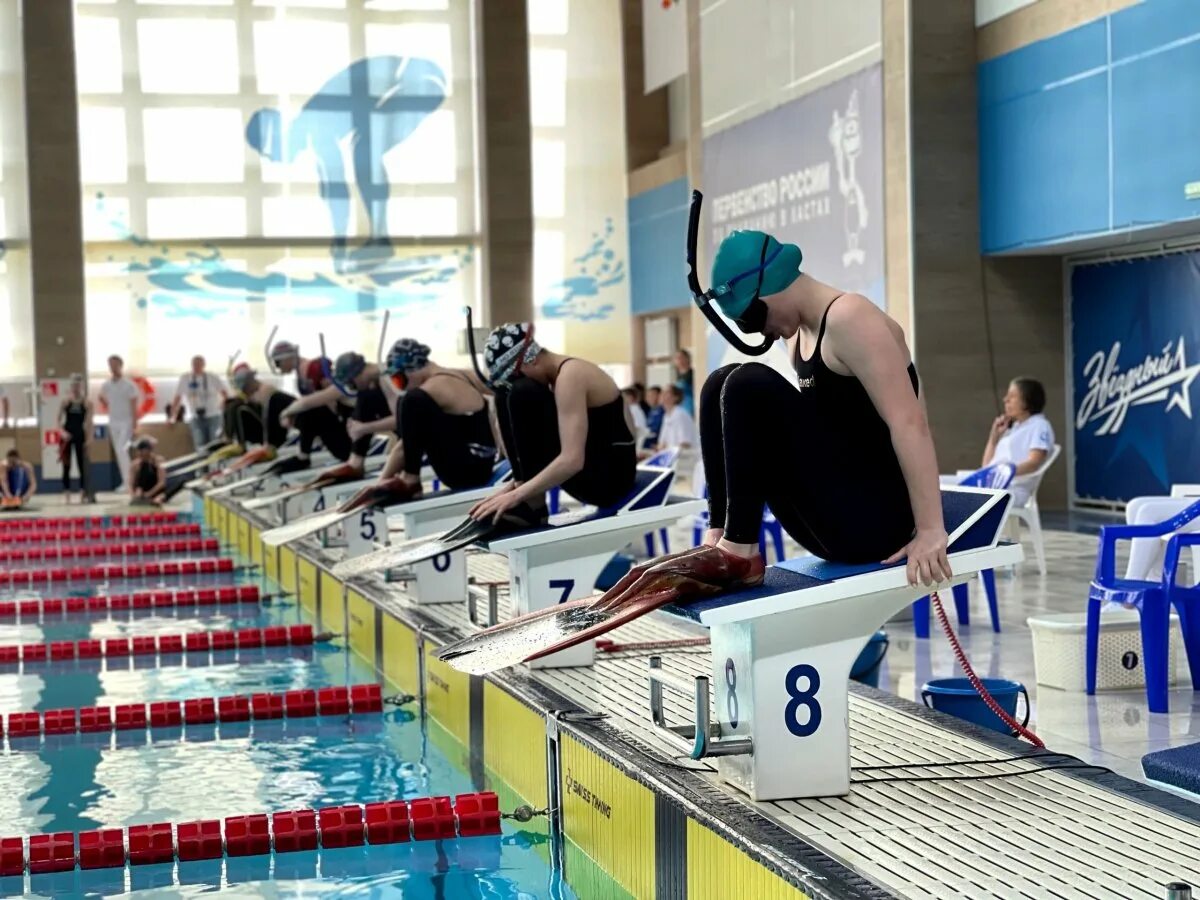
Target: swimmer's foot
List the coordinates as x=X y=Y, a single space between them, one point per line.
x=291 y=464
x=705 y=572
x=700 y=572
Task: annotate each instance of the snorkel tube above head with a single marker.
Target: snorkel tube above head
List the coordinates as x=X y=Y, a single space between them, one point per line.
x=774 y=267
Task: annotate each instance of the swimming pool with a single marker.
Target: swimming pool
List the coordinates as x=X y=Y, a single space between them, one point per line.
x=79 y=782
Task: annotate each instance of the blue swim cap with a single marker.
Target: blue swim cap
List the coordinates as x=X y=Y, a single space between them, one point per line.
x=737 y=264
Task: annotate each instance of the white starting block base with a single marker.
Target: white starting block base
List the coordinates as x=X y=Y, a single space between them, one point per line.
x=442 y=579
x=782 y=654
x=558 y=563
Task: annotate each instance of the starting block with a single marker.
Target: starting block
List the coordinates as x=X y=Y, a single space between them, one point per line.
x=562 y=561
x=442 y=579
x=782 y=653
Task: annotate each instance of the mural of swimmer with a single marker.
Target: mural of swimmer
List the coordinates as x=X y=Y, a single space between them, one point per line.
x=845 y=135
x=376 y=103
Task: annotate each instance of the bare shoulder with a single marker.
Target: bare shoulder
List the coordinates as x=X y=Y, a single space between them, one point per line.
x=854 y=312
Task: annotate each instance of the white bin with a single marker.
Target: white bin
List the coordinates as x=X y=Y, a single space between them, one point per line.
x=1060 y=651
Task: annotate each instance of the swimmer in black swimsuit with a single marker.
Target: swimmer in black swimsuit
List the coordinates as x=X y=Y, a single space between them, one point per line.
x=354 y=387
x=442 y=417
x=844 y=457
x=563 y=423
x=325 y=421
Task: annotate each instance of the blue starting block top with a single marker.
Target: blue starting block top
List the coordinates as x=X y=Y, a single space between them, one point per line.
x=973 y=520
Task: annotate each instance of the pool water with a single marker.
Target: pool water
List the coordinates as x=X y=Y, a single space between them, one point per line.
x=81 y=782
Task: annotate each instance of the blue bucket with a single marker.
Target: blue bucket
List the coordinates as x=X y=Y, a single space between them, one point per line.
x=956 y=697
x=866 y=667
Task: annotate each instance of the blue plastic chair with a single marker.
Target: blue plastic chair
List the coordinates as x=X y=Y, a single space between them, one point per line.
x=1153 y=601
x=664 y=459
x=997 y=477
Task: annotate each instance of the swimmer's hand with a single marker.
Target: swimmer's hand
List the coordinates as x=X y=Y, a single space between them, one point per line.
x=355 y=429
x=495 y=506
x=285 y=421
x=927 y=562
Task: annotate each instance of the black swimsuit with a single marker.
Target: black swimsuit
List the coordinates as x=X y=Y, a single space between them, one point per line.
x=820 y=456
x=529 y=426
x=459 y=446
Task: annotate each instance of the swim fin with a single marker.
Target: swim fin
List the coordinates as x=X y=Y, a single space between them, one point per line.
x=375 y=496
x=337 y=475
x=469 y=531
x=700 y=572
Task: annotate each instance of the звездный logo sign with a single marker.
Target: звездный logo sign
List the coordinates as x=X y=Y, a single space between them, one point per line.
x=1164 y=378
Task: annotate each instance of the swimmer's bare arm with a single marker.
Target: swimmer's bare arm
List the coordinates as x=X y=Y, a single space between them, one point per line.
x=395 y=462
x=865 y=342
x=322 y=397
x=570 y=399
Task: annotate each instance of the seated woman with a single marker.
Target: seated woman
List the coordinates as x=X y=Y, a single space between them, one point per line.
x=678 y=427
x=344 y=411
x=563 y=423
x=252 y=418
x=442 y=416
x=1021 y=435
x=19 y=483
x=148 y=474
x=844 y=456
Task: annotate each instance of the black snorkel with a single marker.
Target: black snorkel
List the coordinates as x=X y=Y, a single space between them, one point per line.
x=487 y=382
x=704 y=299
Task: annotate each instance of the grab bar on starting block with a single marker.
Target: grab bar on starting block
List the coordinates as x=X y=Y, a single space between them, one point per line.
x=701 y=739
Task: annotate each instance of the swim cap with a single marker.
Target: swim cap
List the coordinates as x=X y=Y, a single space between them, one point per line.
x=241 y=375
x=146 y=442
x=284 y=350
x=407 y=355
x=348 y=367
x=508 y=348
x=738 y=263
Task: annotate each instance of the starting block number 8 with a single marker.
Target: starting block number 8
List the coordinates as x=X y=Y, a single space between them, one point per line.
x=801 y=698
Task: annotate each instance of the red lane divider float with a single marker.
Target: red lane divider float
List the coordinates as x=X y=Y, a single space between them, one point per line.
x=149 y=645
x=132 y=548
x=64 y=535
x=300 y=704
x=352 y=825
x=102 y=571
x=33 y=608
x=60 y=522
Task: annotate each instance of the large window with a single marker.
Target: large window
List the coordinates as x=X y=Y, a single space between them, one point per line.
x=581 y=288
x=16 y=304
x=253 y=164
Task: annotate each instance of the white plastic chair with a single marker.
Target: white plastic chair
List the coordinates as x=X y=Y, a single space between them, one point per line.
x=1028 y=513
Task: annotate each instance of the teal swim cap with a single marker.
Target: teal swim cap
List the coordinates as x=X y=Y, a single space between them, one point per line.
x=736 y=267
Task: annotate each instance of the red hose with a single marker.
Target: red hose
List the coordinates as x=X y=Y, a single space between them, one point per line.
x=974 y=679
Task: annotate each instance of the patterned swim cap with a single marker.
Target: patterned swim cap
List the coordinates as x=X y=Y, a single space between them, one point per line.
x=508 y=348
x=407 y=355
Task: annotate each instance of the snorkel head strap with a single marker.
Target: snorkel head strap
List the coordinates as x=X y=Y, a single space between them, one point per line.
x=754 y=315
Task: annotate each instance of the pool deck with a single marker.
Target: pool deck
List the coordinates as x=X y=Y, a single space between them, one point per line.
x=665 y=826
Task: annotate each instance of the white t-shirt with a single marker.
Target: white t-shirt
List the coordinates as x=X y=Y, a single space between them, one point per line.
x=638 y=416
x=201 y=392
x=678 y=429
x=117 y=395
x=1035 y=433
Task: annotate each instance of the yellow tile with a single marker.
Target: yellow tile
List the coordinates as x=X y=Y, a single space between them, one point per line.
x=333 y=604
x=209 y=513
x=713 y=864
x=243 y=536
x=287 y=569
x=256 y=547
x=448 y=696
x=514 y=744
x=307 y=585
x=400 y=661
x=610 y=816
x=361 y=614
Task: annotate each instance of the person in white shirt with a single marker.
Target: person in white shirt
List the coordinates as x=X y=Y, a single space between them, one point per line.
x=678 y=428
x=121 y=396
x=203 y=395
x=1021 y=436
x=636 y=412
